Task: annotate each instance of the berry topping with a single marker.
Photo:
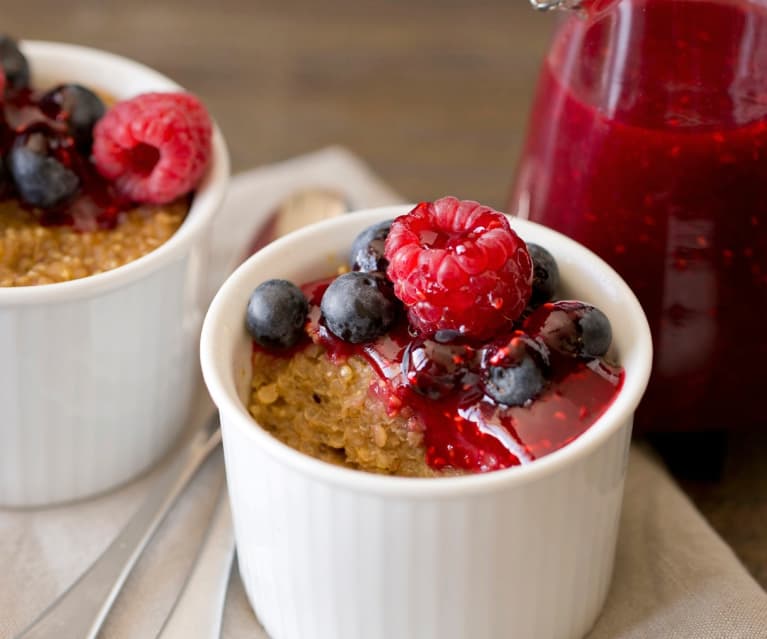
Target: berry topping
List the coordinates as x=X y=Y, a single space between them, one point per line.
x=358 y=307
x=13 y=62
x=435 y=370
x=276 y=314
x=458 y=266
x=572 y=328
x=368 y=248
x=513 y=371
x=545 y=275
x=2 y=83
x=79 y=108
x=493 y=384
x=40 y=178
x=155 y=146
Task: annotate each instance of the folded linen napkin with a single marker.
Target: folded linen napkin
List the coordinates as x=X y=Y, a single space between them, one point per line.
x=674 y=577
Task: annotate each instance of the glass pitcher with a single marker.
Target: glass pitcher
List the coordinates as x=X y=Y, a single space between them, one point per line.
x=648 y=144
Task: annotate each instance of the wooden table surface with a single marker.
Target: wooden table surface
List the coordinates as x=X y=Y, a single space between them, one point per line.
x=433 y=94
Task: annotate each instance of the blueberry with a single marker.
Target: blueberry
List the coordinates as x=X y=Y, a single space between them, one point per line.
x=572 y=328
x=512 y=372
x=596 y=332
x=40 y=178
x=545 y=275
x=276 y=314
x=434 y=370
x=368 y=248
x=79 y=107
x=358 y=307
x=14 y=63
x=446 y=336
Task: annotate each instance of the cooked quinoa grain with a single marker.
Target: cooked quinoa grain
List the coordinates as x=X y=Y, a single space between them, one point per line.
x=32 y=254
x=327 y=410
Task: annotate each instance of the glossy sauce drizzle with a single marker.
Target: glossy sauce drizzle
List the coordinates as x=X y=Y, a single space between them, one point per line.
x=467 y=429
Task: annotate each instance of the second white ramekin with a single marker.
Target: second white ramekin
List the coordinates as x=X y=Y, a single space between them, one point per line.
x=97 y=375
x=332 y=553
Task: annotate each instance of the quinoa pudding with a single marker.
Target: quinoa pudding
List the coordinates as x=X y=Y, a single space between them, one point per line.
x=325 y=409
x=34 y=254
x=88 y=184
x=441 y=352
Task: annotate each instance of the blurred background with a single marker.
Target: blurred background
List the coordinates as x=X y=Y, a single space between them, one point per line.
x=432 y=94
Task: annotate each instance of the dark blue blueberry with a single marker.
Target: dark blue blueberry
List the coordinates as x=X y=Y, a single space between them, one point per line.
x=447 y=336
x=368 y=248
x=40 y=178
x=358 y=307
x=596 y=332
x=14 y=63
x=79 y=108
x=276 y=314
x=435 y=370
x=572 y=328
x=545 y=275
x=512 y=372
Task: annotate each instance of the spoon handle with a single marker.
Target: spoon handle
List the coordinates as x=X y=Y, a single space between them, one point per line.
x=79 y=612
x=198 y=610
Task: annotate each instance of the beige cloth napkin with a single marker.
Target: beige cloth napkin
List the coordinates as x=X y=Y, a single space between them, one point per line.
x=674 y=577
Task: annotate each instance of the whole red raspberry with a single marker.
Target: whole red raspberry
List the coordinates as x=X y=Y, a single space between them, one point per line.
x=154 y=147
x=458 y=266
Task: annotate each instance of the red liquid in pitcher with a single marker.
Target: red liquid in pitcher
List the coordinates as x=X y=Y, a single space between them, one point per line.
x=649 y=145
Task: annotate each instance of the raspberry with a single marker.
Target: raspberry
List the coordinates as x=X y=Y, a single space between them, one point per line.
x=155 y=147
x=2 y=83
x=458 y=266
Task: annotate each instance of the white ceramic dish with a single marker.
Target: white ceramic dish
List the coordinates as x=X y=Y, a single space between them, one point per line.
x=97 y=374
x=332 y=553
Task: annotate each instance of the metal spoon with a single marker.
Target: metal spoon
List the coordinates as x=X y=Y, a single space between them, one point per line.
x=199 y=608
x=80 y=611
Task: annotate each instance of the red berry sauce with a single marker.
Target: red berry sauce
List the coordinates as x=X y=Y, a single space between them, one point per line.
x=97 y=204
x=648 y=144
x=465 y=429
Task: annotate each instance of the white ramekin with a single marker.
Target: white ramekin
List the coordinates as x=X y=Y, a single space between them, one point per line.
x=97 y=374
x=332 y=553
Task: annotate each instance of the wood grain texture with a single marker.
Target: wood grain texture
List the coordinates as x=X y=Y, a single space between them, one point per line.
x=433 y=94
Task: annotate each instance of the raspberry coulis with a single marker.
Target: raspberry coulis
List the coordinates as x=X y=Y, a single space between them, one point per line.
x=648 y=145
x=465 y=429
x=97 y=204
